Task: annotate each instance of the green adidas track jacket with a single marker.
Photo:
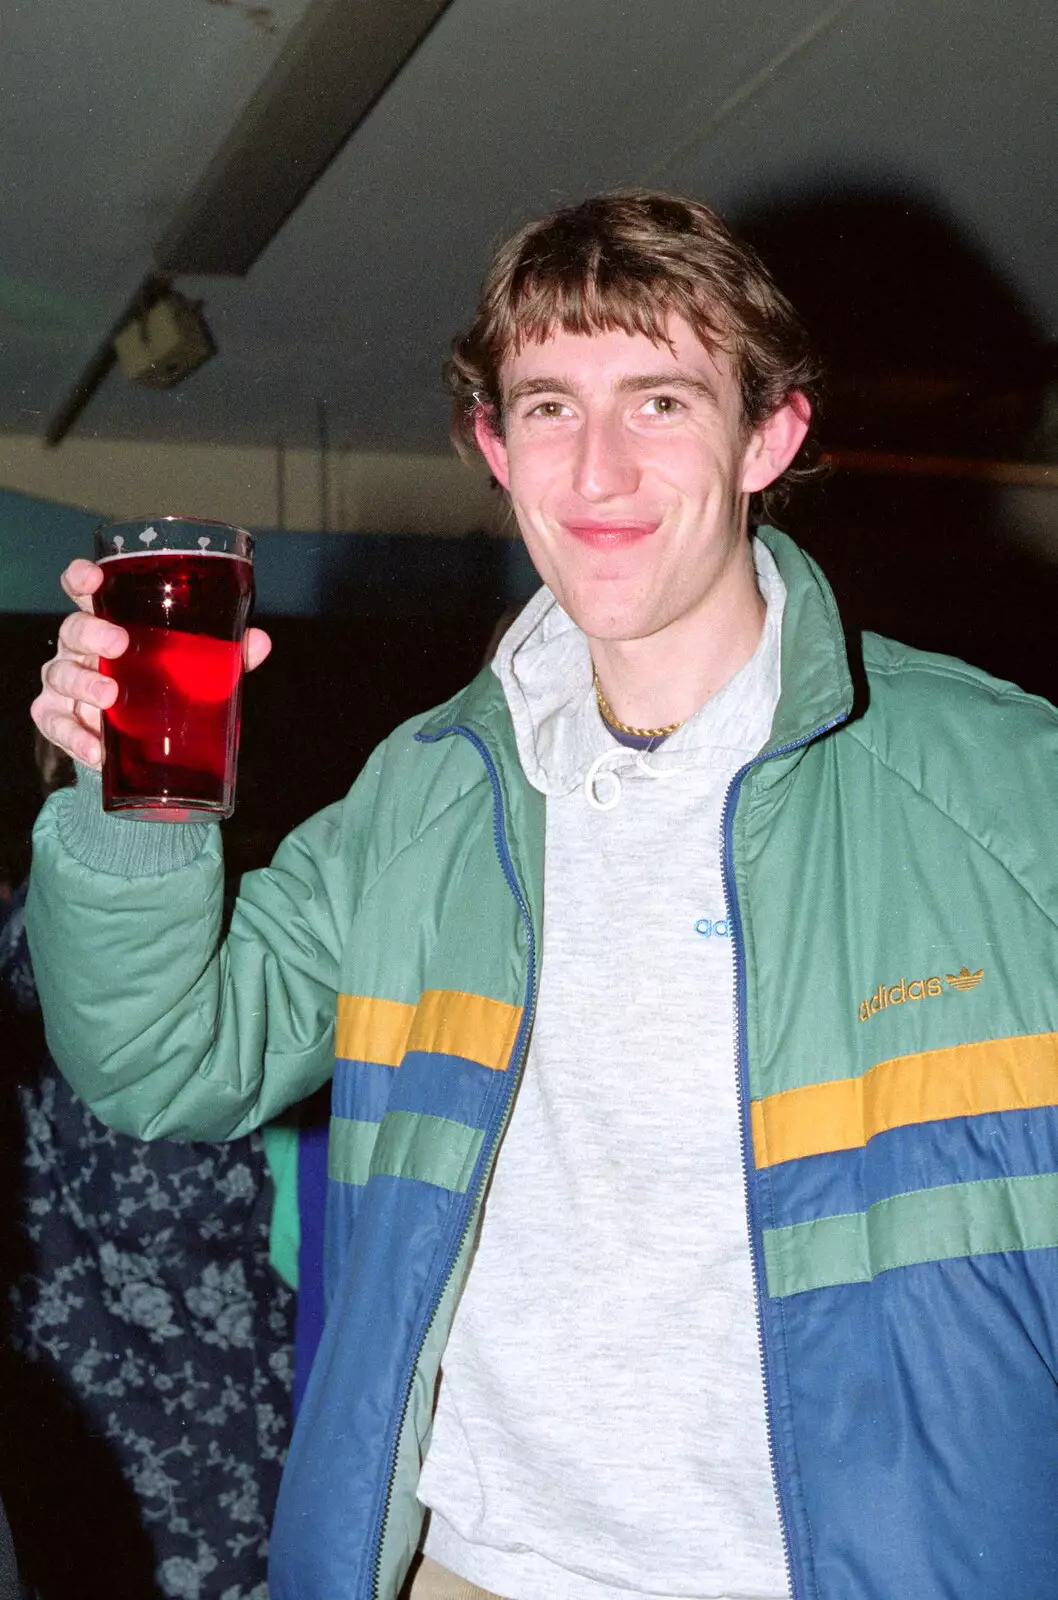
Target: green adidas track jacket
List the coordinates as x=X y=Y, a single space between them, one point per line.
x=892 y=887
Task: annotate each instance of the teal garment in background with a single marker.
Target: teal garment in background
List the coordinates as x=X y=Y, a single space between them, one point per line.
x=280 y=1141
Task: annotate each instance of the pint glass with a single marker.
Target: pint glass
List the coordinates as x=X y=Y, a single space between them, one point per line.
x=183 y=589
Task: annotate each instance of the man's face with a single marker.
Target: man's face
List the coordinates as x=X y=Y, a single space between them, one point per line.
x=629 y=470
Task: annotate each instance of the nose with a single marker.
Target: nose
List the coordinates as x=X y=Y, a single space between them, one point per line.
x=605 y=465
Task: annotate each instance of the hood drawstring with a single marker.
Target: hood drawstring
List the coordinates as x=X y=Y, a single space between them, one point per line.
x=601 y=770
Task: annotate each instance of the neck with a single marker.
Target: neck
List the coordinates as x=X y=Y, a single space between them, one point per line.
x=667 y=676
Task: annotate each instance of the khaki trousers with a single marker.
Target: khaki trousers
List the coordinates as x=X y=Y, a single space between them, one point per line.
x=431 y=1582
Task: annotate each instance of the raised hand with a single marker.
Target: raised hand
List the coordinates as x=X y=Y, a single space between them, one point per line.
x=74 y=692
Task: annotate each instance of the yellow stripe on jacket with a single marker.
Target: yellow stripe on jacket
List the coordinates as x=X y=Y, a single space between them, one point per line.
x=445 y=1022
x=965 y=1080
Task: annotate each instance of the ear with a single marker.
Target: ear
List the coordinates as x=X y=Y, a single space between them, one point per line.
x=774 y=443
x=491 y=445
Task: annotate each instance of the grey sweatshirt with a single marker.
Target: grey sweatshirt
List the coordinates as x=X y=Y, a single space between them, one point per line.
x=600 y=1429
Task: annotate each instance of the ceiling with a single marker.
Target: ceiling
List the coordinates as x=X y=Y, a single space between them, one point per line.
x=894 y=157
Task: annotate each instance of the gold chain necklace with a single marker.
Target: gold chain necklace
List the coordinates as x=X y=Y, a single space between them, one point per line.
x=623 y=727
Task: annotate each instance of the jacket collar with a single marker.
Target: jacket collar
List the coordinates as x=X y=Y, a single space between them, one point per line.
x=817 y=688
x=481 y=707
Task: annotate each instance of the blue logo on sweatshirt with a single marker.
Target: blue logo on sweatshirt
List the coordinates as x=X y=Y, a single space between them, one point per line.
x=709 y=929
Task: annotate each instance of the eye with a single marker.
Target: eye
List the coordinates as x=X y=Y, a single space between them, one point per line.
x=662 y=405
x=548 y=409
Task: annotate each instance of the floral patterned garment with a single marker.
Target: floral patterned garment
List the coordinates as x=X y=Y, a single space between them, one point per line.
x=148 y=1365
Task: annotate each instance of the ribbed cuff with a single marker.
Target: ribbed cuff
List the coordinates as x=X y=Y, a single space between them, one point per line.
x=108 y=842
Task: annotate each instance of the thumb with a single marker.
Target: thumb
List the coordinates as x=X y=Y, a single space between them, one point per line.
x=257 y=647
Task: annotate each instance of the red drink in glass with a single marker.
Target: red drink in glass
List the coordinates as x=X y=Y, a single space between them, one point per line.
x=171 y=738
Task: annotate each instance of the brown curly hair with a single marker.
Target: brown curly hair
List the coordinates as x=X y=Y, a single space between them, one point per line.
x=630 y=260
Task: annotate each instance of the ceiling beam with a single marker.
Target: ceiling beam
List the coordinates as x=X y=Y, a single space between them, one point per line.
x=340 y=58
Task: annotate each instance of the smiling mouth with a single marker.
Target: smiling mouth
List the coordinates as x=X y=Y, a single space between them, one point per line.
x=609 y=535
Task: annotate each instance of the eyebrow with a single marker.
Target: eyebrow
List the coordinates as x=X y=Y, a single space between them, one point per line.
x=632 y=383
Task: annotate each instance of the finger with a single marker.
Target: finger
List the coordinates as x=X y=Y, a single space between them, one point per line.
x=68 y=679
x=66 y=729
x=91 y=637
x=80 y=581
x=79 y=742
x=257 y=647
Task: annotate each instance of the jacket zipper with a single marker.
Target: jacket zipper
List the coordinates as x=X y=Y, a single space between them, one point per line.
x=727 y=874
x=518 y=1055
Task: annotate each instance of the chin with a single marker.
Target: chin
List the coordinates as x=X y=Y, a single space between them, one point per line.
x=605 y=622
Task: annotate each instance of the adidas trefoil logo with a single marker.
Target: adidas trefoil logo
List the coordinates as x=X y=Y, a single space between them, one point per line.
x=965 y=979
x=898 y=994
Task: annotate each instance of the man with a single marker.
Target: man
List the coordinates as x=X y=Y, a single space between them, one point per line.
x=695 y=1153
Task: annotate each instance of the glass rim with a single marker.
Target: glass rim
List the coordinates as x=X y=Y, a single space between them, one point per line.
x=170 y=516
x=177 y=535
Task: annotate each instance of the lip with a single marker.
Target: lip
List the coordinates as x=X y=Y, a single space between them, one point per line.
x=609 y=535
